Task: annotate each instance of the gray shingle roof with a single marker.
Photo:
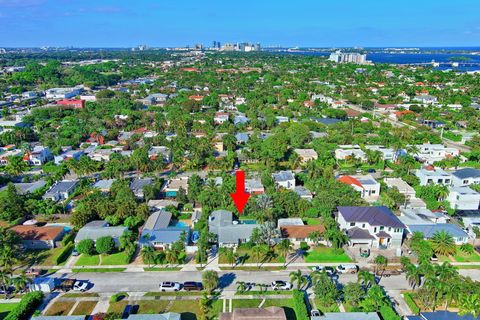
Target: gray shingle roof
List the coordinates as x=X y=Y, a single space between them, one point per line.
x=429 y=230
x=357 y=233
x=158 y=220
x=95 y=233
x=375 y=216
x=467 y=173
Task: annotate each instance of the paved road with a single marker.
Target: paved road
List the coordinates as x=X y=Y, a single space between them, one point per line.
x=148 y=281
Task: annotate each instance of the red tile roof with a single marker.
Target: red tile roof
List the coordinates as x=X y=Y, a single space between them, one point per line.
x=38 y=233
x=350 y=180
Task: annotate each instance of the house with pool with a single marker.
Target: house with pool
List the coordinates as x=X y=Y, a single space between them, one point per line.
x=161 y=231
x=171 y=188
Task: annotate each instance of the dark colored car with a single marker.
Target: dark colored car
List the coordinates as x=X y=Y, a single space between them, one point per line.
x=192 y=286
x=371 y=171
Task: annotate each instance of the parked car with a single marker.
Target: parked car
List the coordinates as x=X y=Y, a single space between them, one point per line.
x=388 y=273
x=80 y=286
x=75 y=253
x=192 y=286
x=328 y=270
x=281 y=285
x=371 y=170
x=347 y=268
x=169 y=286
x=364 y=253
x=315 y=313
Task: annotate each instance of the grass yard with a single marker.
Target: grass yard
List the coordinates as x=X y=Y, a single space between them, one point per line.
x=43 y=257
x=463 y=257
x=247 y=252
x=80 y=295
x=467 y=266
x=272 y=268
x=84 y=308
x=117 y=307
x=5 y=309
x=60 y=308
x=324 y=254
x=331 y=308
x=85 y=260
x=162 y=269
x=312 y=221
x=115 y=259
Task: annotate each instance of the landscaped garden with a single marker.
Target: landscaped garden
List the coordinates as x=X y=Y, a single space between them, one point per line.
x=325 y=254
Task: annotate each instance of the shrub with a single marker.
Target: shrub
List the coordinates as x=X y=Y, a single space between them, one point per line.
x=411 y=303
x=105 y=245
x=467 y=248
x=68 y=239
x=304 y=246
x=388 y=313
x=118 y=296
x=299 y=306
x=26 y=307
x=64 y=254
x=86 y=246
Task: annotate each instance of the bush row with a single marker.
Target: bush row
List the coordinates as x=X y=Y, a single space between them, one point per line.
x=24 y=309
x=411 y=303
x=299 y=305
x=64 y=254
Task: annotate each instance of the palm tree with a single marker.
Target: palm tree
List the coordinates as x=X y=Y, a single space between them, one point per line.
x=443 y=243
x=365 y=278
x=5 y=280
x=241 y=286
x=148 y=255
x=171 y=256
x=381 y=263
x=257 y=254
x=441 y=192
x=284 y=247
x=470 y=304
x=204 y=304
x=315 y=236
x=299 y=278
x=21 y=282
x=446 y=272
x=230 y=256
x=413 y=275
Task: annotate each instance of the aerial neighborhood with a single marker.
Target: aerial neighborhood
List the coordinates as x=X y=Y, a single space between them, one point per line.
x=122 y=173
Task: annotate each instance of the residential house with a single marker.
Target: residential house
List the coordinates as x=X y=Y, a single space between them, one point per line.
x=306 y=155
x=162 y=152
x=154 y=98
x=229 y=232
x=372 y=226
x=368 y=187
x=68 y=154
x=284 y=179
x=104 y=185
x=402 y=187
x=387 y=154
x=430 y=153
x=220 y=117
x=254 y=186
x=463 y=198
x=72 y=103
x=137 y=185
x=465 y=177
x=303 y=193
x=9 y=153
x=425 y=99
x=441 y=315
x=62 y=93
x=429 y=223
x=431 y=175
x=241 y=137
x=159 y=233
x=434 y=124
x=326 y=121
x=37 y=238
x=281 y=119
x=298 y=233
x=348 y=151
x=269 y=313
x=240 y=118
x=159 y=204
x=61 y=190
x=172 y=186
x=27 y=187
x=159 y=316
x=38 y=156
x=98 y=229
x=347 y=316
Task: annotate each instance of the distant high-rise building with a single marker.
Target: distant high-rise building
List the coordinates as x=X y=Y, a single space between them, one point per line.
x=349 y=57
x=198 y=46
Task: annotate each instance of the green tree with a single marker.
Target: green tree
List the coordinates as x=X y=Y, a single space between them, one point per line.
x=298 y=278
x=443 y=243
x=148 y=255
x=353 y=293
x=326 y=290
x=284 y=247
x=210 y=280
x=105 y=245
x=86 y=246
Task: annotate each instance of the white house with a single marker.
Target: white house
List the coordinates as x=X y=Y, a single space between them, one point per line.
x=306 y=155
x=432 y=175
x=463 y=198
x=430 y=153
x=160 y=151
x=285 y=179
x=62 y=93
x=221 y=117
x=426 y=99
x=38 y=156
x=368 y=187
x=371 y=226
x=387 y=153
x=347 y=151
x=465 y=177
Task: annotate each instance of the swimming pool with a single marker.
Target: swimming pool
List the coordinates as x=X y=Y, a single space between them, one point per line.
x=248 y=221
x=180 y=224
x=67 y=228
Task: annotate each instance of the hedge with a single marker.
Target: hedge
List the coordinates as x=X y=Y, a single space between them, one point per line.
x=118 y=296
x=411 y=303
x=64 y=254
x=388 y=313
x=25 y=308
x=299 y=306
x=69 y=238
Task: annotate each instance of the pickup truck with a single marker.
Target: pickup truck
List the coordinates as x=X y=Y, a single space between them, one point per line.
x=389 y=272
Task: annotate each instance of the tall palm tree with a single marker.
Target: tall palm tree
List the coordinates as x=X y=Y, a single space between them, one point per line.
x=257 y=254
x=148 y=255
x=21 y=282
x=381 y=263
x=413 y=275
x=230 y=256
x=315 y=236
x=443 y=243
x=241 y=286
x=365 y=278
x=441 y=192
x=299 y=278
x=284 y=247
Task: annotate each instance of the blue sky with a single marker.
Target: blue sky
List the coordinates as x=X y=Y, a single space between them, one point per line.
x=125 y=23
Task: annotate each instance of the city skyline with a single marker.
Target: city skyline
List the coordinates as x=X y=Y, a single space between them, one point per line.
x=36 y=23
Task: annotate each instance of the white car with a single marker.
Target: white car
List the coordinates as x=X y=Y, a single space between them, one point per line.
x=347 y=268
x=80 y=286
x=169 y=286
x=281 y=285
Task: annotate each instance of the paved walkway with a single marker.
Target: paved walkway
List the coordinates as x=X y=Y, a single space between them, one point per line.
x=399 y=303
x=101 y=306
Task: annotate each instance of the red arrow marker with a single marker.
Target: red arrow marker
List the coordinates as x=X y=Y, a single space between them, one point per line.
x=240 y=197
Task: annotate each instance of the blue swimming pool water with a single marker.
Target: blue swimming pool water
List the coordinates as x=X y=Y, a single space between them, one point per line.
x=66 y=228
x=249 y=221
x=180 y=224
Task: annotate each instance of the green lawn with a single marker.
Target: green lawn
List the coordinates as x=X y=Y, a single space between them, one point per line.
x=324 y=254
x=244 y=251
x=115 y=259
x=5 y=309
x=462 y=257
x=85 y=260
x=84 y=307
x=162 y=269
x=60 y=308
x=43 y=257
x=98 y=270
x=312 y=221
